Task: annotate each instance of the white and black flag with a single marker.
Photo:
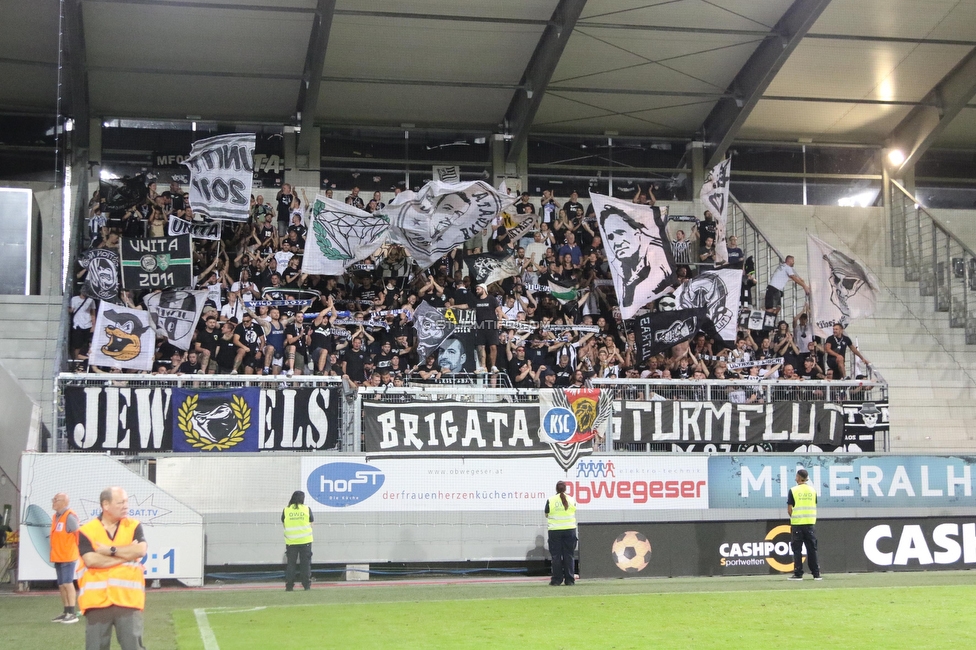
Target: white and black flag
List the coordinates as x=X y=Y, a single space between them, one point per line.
x=339 y=235
x=715 y=198
x=122 y=338
x=431 y=222
x=433 y=328
x=717 y=292
x=102 y=276
x=638 y=249
x=487 y=268
x=841 y=287
x=660 y=331
x=175 y=313
x=221 y=172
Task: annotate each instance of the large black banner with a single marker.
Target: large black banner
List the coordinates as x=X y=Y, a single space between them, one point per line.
x=156 y=262
x=108 y=418
x=452 y=427
x=711 y=548
x=727 y=422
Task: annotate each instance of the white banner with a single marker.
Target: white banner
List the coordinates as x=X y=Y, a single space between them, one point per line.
x=208 y=230
x=715 y=199
x=339 y=235
x=221 y=171
x=175 y=314
x=620 y=482
x=842 y=289
x=173 y=531
x=123 y=338
x=431 y=222
x=637 y=246
x=718 y=293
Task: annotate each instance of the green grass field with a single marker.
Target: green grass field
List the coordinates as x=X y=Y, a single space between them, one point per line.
x=917 y=610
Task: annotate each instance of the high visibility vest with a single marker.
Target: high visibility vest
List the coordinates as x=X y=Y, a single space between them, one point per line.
x=560 y=518
x=64 y=545
x=804 y=505
x=298 y=525
x=123 y=585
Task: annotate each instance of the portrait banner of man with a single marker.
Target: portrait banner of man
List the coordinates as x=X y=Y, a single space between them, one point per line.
x=432 y=326
x=431 y=222
x=637 y=246
x=841 y=287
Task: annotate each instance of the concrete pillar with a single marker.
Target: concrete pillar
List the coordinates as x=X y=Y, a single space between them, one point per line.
x=303 y=171
x=697 y=176
x=515 y=175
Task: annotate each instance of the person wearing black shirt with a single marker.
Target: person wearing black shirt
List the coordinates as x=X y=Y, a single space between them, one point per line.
x=284 y=198
x=295 y=346
x=383 y=358
x=486 y=336
x=249 y=339
x=520 y=369
x=523 y=205
x=226 y=354
x=192 y=364
x=574 y=209
x=706 y=229
x=206 y=345
x=836 y=347
x=354 y=361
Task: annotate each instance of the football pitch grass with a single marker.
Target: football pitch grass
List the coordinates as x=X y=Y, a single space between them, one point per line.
x=890 y=610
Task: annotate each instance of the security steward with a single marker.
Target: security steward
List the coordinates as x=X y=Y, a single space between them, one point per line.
x=561 y=517
x=64 y=555
x=801 y=505
x=111 y=585
x=297 y=518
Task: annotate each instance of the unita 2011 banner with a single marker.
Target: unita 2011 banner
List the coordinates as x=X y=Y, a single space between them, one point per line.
x=109 y=418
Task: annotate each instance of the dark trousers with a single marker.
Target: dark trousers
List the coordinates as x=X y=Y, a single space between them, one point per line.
x=300 y=555
x=800 y=535
x=126 y=621
x=562 y=546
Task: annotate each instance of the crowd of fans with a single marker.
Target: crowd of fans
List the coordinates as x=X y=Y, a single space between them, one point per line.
x=360 y=326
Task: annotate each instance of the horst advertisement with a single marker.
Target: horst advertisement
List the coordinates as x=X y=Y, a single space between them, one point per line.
x=107 y=418
x=173 y=531
x=398 y=484
x=810 y=423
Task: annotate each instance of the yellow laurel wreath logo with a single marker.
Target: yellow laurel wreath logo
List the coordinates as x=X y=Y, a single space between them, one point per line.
x=242 y=414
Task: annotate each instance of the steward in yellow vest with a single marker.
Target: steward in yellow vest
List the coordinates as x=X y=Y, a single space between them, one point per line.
x=297 y=519
x=801 y=505
x=561 y=519
x=112 y=587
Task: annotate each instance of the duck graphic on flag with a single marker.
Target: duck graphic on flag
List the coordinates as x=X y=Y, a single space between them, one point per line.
x=573 y=420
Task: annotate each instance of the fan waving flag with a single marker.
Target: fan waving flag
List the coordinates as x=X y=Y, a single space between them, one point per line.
x=431 y=222
x=841 y=287
x=638 y=249
x=340 y=235
x=487 y=268
x=221 y=171
x=564 y=293
x=123 y=338
x=715 y=198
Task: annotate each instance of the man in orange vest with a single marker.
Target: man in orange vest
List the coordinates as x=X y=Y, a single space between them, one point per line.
x=64 y=554
x=111 y=584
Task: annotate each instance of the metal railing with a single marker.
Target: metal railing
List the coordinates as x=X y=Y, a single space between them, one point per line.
x=767 y=258
x=942 y=265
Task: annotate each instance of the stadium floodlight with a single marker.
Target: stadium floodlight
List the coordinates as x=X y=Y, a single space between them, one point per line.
x=896 y=157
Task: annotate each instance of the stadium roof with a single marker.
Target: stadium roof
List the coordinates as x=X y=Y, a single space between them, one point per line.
x=859 y=71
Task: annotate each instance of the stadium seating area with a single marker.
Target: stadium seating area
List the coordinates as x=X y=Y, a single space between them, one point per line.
x=262 y=260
